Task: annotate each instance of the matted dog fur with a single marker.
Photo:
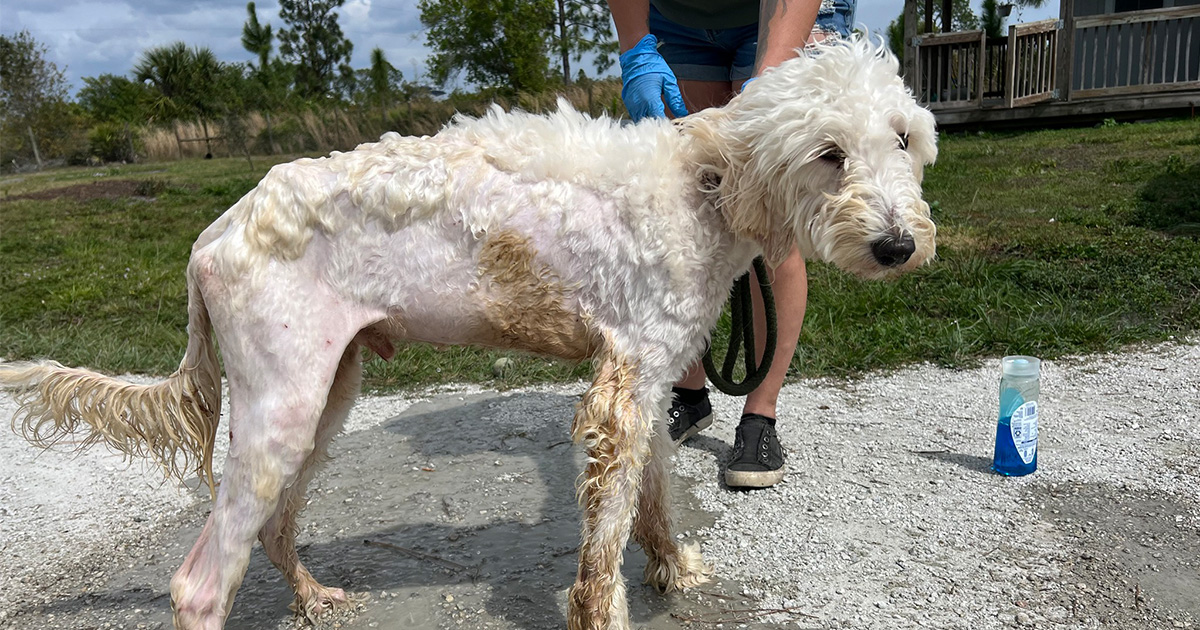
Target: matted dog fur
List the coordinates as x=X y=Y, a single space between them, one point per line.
x=560 y=234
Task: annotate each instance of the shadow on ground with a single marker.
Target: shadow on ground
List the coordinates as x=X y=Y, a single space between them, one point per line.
x=458 y=513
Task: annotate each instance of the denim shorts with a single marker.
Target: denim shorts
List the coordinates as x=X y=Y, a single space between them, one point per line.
x=728 y=54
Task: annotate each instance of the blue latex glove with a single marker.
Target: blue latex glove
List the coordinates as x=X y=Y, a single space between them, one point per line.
x=647 y=80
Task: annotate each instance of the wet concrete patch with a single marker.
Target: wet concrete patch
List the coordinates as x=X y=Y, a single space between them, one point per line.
x=1131 y=553
x=459 y=513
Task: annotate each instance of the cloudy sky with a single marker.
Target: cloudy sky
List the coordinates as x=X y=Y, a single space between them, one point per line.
x=87 y=38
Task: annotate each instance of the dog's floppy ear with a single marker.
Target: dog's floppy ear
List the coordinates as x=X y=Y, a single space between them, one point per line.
x=752 y=207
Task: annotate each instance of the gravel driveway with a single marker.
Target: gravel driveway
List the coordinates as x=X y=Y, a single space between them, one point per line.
x=454 y=508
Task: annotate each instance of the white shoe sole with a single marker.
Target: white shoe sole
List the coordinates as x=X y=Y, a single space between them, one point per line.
x=752 y=478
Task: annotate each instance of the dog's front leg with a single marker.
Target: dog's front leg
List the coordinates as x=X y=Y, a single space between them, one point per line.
x=614 y=424
x=669 y=566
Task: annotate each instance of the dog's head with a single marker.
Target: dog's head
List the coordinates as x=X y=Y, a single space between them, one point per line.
x=825 y=151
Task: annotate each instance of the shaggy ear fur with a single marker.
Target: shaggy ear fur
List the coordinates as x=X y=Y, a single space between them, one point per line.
x=742 y=182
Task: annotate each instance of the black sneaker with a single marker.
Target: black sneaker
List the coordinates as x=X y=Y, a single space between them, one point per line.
x=684 y=420
x=757 y=454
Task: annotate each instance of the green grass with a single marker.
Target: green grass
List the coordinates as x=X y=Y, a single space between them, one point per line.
x=1050 y=243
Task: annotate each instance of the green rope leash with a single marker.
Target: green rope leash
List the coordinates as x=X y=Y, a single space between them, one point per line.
x=741 y=332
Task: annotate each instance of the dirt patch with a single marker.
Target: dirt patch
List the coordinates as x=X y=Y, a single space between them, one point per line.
x=1133 y=553
x=100 y=189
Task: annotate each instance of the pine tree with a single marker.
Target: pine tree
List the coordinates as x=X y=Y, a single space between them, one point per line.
x=314 y=42
x=257 y=38
x=583 y=26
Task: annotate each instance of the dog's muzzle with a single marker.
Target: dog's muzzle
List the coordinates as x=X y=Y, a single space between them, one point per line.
x=893 y=251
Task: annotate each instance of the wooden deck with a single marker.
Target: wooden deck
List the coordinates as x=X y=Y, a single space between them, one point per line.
x=1075 y=112
x=1136 y=64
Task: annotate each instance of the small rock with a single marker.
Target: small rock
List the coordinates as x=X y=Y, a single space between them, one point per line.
x=448 y=597
x=1058 y=614
x=1024 y=619
x=501 y=367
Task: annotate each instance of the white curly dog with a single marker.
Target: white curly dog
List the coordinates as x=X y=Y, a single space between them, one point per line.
x=561 y=235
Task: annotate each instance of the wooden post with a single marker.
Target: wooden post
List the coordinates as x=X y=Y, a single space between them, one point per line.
x=981 y=69
x=928 y=16
x=1010 y=71
x=947 y=16
x=910 y=50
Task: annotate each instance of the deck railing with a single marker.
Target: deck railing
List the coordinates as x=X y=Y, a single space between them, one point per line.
x=965 y=69
x=950 y=67
x=1031 y=63
x=1137 y=52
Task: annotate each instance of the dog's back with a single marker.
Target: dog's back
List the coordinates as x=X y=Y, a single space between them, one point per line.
x=511 y=230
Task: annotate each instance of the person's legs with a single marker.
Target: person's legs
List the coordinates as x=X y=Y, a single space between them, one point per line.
x=789 y=285
x=710 y=66
x=700 y=95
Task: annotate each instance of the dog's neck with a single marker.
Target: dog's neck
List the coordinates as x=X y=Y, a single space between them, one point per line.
x=723 y=163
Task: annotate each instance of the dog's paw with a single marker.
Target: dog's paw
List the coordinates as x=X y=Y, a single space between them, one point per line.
x=684 y=569
x=316 y=601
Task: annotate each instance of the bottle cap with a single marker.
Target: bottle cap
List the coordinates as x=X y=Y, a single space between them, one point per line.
x=1021 y=365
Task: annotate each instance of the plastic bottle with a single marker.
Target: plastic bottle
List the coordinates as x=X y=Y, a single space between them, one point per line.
x=1017 y=427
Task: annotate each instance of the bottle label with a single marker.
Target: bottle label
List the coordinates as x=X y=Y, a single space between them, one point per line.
x=1024 y=425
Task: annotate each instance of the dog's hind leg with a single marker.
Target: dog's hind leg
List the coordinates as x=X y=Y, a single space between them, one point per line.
x=613 y=422
x=276 y=394
x=669 y=566
x=278 y=536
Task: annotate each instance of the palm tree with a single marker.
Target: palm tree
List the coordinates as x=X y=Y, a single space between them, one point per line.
x=186 y=82
x=166 y=68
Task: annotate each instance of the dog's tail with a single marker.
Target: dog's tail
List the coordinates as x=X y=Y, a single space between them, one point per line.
x=174 y=421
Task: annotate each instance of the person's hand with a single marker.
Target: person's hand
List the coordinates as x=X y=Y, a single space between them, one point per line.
x=647 y=80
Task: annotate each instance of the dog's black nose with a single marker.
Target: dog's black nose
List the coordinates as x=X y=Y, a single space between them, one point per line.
x=890 y=251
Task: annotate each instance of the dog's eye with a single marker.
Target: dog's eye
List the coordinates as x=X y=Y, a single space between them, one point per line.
x=834 y=156
x=904 y=142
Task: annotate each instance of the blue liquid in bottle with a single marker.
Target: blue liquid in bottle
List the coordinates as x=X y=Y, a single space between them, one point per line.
x=1016 y=428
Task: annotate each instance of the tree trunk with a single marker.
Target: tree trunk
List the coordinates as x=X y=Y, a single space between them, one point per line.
x=271 y=135
x=33 y=142
x=245 y=150
x=207 y=141
x=178 y=140
x=562 y=42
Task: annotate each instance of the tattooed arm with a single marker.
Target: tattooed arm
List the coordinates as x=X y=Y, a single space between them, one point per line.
x=783 y=26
